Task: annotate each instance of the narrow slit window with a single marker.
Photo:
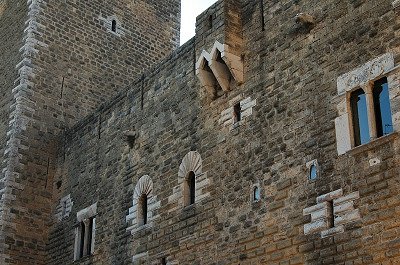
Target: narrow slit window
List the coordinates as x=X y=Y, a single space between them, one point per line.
x=313 y=172
x=237 y=113
x=191 y=185
x=256 y=194
x=210 y=22
x=358 y=104
x=331 y=215
x=164 y=261
x=89 y=236
x=383 y=114
x=82 y=240
x=143 y=206
x=114 y=25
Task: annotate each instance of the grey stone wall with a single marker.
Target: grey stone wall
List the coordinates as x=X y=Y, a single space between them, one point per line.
x=13 y=15
x=70 y=63
x=290 y=73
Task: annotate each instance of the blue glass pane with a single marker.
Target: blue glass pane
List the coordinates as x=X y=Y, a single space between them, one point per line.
x=313 y=172
x=257 y=195
x=363 y=119
x=385 y=112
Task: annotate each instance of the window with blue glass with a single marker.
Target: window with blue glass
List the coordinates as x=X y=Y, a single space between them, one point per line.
x=383 y=114
x=371 y=114
x=358 y=104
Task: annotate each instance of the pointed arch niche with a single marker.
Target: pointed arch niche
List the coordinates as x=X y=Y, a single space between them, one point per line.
x=145 y=206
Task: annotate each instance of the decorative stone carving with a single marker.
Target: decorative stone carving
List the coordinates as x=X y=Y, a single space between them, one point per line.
x=362 y=77
x=143 y=186
x=191 y=162
x=210 y=69
x=365 y=73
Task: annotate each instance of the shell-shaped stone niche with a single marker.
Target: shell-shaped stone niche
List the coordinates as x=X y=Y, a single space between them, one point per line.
x=191 y=162
x=144 y=186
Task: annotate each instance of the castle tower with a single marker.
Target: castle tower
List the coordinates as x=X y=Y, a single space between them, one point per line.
x=59 y=60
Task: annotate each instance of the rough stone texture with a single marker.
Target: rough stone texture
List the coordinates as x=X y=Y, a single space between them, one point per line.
x=61 y=63
x=290 y=72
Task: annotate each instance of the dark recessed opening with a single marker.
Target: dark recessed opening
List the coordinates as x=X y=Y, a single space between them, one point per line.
x=331 y=220
x=164 y=261
x=358 y=104
x=143 y=200
x=210 y=22
x=114 y=25
x=192 y=187
x=59 y=184
x=237 y=113
x=82 y=240
x=383 y=114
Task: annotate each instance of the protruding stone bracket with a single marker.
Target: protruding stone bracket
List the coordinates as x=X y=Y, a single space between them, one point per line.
x=332 y=211
x=304 y=19
x=225 y=66
x=129 y=137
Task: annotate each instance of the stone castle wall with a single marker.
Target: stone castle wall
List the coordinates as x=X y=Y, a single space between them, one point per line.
x=289 y=100
x=69 y=62
x=13 y=18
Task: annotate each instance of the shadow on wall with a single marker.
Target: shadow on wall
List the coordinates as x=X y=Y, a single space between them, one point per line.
x=3 y=6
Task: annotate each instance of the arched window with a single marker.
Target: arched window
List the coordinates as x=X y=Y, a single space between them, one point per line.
x=256 y=194
x=114 y=25
x=143 y=209
x=358 y=105
x=383 y=115
x=190 y=189
x=313 y=172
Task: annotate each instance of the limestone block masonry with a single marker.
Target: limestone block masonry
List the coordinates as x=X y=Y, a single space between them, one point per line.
x=331 y=213
x=239 y=141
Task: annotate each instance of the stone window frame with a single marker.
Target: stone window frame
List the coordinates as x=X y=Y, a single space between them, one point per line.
x=85 y=217
x=363 y=77
x=192 y=162
x=227 y=118
x=331 y=213
x=144 y=186
x=309 y=164
x=64 y=208
x=107 y=21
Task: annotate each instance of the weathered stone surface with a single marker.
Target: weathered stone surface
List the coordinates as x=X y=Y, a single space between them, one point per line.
x=78 y=87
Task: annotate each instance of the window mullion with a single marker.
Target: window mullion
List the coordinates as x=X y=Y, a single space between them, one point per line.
x=370 y=111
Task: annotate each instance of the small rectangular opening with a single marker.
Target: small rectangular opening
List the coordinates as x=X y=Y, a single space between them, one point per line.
x=237 y=113
x=331 y=216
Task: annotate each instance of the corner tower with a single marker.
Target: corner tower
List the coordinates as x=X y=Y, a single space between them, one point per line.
x=59 y=61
